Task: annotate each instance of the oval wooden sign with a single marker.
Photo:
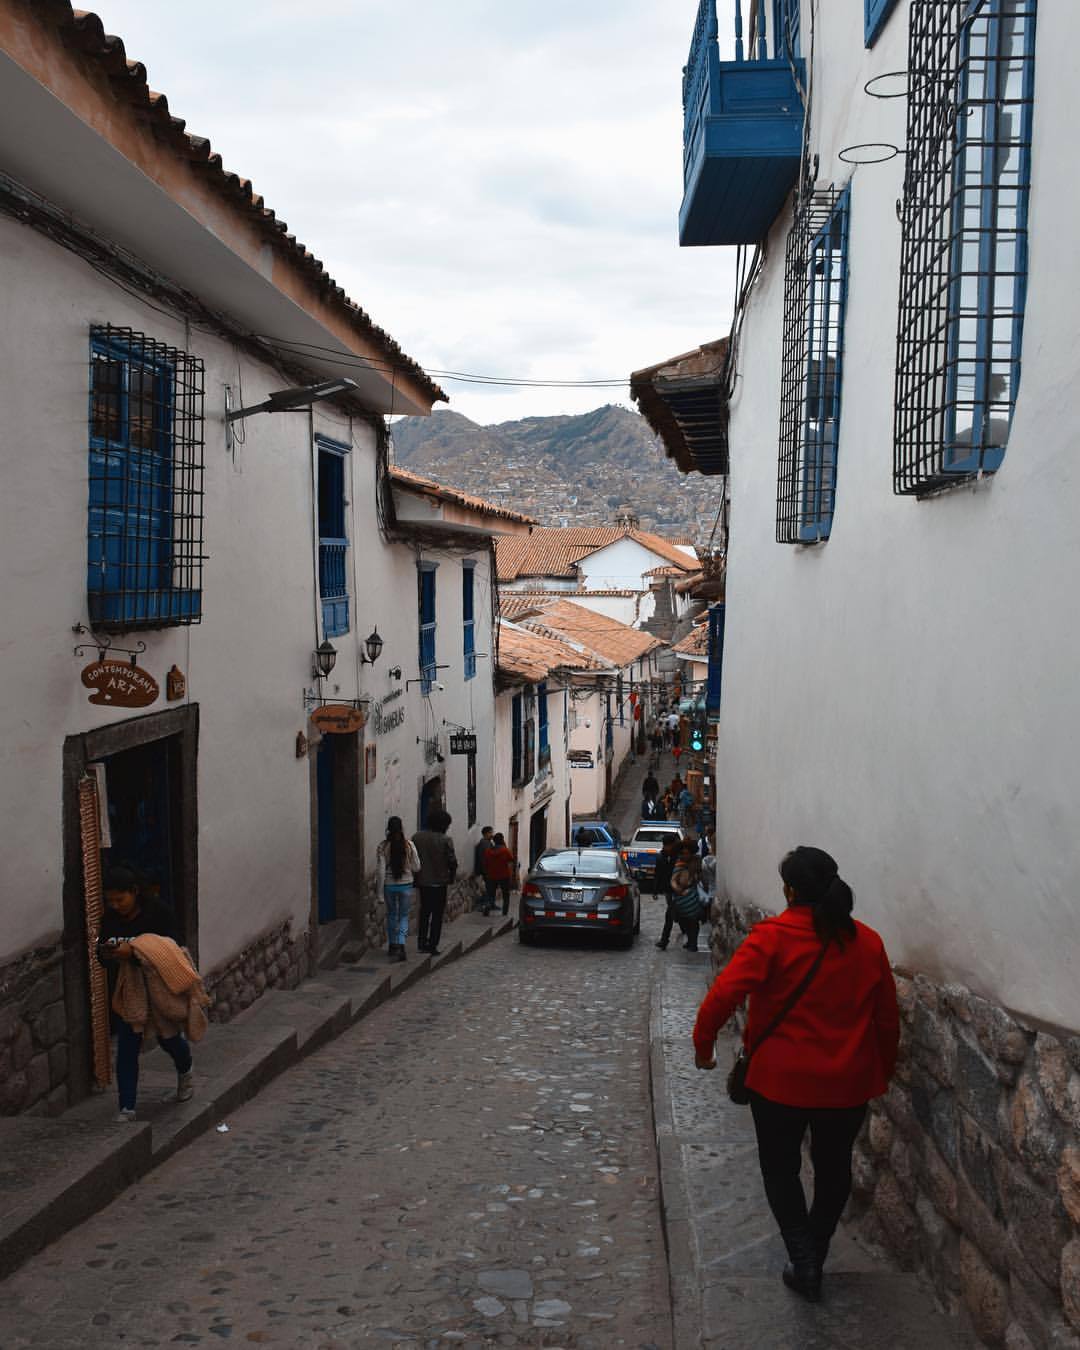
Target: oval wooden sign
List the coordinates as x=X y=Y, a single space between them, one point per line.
x=337 y=719
x=118 y=684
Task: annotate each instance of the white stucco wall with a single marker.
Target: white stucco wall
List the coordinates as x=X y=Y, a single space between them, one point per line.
x=905 y=694
x=619 y=566
x=549 y=787
x=248 y=663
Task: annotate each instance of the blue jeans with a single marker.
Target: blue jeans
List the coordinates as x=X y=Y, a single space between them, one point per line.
x=398 y=902
x=128 y=1045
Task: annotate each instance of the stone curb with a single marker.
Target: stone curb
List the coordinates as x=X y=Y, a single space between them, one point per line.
x=55 y=1173
x=682 y=1253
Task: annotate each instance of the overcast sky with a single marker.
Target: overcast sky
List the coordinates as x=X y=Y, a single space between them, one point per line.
x=496 y=182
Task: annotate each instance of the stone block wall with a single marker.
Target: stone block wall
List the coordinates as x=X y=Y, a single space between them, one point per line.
x=969 y=1168
x=276 y=960
x=33 y=1032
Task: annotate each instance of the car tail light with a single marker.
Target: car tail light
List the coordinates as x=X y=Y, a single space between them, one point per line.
x=625 y=854
x=616 y=893
x=531 y=890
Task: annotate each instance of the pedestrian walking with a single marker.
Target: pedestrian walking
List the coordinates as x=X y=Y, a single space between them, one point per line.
x=665 y=866
x=396 y=864
x=650 y=788
x=686 y=807
x=438 y=868
x=686 y=893
x=500 y=867
x=128 y=915
x=672 y=723
x=482 y=846
x=821 y=1040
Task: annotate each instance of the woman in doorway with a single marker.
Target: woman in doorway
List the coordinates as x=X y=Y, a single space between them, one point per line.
x=397 y=862
x=822 y=1007
x=129 y=914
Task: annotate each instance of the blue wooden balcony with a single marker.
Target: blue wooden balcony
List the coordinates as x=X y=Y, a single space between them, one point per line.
x=742 y=130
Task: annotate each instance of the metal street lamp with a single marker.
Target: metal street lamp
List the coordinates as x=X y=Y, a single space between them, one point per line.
x=323 y=658
x=374 y=645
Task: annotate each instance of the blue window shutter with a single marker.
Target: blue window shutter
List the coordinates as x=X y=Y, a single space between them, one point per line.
x=468 y=617
x=333 y=541
x=516 y=739
x=542 y=721
x=716 y=658
x=875 y=14
x=426 y=581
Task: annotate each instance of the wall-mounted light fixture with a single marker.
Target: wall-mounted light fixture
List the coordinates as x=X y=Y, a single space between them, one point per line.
x=373 y=646
x=299 y=396
x=322 y=660
x=394 y=672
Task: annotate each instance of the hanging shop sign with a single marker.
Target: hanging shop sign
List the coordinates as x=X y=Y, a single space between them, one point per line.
x=580 y=759
x=463 y=743
x=119 y=684
x=338 y=719
x=175 y=684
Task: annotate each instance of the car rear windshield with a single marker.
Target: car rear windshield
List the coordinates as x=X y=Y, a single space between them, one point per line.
x=593 y=862
x=653 y=836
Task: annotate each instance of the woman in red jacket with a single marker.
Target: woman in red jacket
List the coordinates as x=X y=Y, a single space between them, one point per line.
x=834 y=1050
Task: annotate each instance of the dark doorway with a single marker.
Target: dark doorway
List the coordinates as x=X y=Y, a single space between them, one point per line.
x=339 y=827
x=537 y=835
x=512 y=840
x=431 y=796
x=151 y=786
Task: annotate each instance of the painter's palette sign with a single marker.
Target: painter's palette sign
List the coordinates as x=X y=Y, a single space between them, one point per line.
x=119 y=684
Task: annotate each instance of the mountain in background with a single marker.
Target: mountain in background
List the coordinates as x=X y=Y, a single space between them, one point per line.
x=570 y=470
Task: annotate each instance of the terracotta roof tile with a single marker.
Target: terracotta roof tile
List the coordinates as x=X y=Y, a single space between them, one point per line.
x=428 y=486
x=695 y=643
x=550 y=552
x=83 y=31
x=615 y=642
x=533 y=656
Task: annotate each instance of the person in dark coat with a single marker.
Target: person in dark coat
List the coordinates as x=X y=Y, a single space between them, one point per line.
x=665 y=866
x=831 y=1053
x=130 y=914
x=438 y=868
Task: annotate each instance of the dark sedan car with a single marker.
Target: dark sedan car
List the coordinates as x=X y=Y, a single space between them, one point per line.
x=586 y=889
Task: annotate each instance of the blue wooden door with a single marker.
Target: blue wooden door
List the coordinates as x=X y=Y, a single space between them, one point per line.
x=327 y=840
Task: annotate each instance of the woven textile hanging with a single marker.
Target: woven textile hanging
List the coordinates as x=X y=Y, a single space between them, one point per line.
x=90 y=830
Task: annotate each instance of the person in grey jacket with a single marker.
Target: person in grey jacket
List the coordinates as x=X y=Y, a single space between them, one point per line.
x=438 y=868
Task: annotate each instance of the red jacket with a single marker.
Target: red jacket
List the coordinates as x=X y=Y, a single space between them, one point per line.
x=498 y=863
x=837 y=1046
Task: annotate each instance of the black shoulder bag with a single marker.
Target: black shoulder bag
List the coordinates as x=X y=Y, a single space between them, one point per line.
x=736 y=1081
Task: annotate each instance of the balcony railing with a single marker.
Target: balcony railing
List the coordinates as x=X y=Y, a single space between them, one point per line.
x=742 y=129
x=333 y=587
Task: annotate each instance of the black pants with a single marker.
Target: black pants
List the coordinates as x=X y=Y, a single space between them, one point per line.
x=669 y=921
x=432 y=909
x=493 y=887
x=780 y=1131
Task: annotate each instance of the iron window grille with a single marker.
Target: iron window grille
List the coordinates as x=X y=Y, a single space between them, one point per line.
x=333 y=540
x=145 y=509
x=426 y=583
x=815 y=299
x=468 y=616
x=963 y=271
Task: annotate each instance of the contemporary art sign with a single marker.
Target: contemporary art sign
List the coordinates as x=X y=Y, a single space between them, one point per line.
x=119 y=684
x=388 y=713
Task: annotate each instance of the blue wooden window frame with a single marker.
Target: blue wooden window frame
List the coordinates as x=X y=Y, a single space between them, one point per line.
x=875 y=15
x=144 y=501
x=333 y=538
x=991 y=189
x=542 y=735
x=425 y=578
x=787 y=19
x=468 y=616
x=517 y=740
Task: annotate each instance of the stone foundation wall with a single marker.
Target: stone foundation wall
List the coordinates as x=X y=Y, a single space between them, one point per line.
x=464 y=895
x=969 y=1168
x=276 y=960
x=33 y=1032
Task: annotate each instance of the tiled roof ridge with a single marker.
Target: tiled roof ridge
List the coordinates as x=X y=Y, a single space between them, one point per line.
x=458 y=495
x=83 y=30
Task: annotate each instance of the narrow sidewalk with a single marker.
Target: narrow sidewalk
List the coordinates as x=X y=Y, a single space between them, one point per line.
x=724 y=1251
x=54 y=1173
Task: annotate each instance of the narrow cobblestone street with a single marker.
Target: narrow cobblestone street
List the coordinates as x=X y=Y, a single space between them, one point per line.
x=473 y=1163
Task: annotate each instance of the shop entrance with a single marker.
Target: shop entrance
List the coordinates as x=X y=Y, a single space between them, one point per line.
x=537 y=835
x=338 y=827
x=142 y=776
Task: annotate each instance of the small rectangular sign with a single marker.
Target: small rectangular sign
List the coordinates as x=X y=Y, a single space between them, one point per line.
x=463 y=743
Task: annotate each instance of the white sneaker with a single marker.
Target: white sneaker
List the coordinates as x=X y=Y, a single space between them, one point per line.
x=185 y=1086
x=125 y=1116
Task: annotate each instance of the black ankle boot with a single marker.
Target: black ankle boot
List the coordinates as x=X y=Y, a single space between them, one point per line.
x=803 y=1272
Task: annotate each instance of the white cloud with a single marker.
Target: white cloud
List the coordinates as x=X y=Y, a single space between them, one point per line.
x=497 y=184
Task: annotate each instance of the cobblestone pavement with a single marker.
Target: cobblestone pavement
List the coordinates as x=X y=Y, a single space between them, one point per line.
x=471 y=1164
